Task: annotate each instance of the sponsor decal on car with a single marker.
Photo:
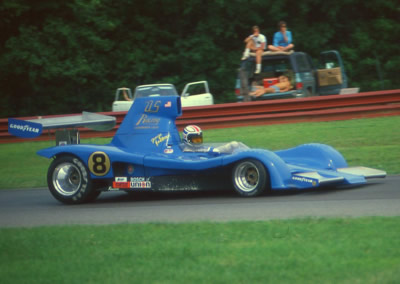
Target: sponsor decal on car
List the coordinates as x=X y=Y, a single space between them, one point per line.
x=168 y=151
x=140 y=182
x=121 y=184
x=134 y=183
x=110 y=188
x=130 y=169
x=152 y=106
x=304 y=179
x=23 y=128
x=159 y=139
x=99 y=163
x=147 y=122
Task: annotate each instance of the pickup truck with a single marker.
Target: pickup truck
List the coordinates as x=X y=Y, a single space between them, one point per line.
x=327 y=78
x=193 y=94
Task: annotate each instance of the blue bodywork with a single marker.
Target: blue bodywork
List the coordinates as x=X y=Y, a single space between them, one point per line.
x=147 y=146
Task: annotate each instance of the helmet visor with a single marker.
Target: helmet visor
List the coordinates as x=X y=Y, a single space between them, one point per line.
x=197 y=139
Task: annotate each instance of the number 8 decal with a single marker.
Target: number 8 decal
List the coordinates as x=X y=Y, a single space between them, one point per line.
x=99 y=163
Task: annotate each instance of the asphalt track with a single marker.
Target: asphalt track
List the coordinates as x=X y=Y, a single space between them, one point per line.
x=36 y=207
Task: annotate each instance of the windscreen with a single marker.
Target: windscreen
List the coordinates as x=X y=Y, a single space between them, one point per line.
x=155 y=91
x=328 y=60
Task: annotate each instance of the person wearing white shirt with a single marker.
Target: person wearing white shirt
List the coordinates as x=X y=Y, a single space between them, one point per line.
x=255 y=43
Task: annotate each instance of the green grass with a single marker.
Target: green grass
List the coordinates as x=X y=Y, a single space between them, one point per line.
x=368 y=142
x=364 y=250
x=373 y=142
x=22 y=168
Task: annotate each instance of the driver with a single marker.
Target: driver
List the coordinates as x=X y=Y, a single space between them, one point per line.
x=193 y=142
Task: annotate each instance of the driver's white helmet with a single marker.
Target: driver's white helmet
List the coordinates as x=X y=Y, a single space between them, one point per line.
x=193 y=135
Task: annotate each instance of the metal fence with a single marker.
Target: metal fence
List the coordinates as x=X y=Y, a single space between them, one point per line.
x=322 y=108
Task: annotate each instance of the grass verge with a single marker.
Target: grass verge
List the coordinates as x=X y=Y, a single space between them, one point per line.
x=373 y=142
x=364 y=250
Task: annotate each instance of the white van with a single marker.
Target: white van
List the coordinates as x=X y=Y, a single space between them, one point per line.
x=194 y=94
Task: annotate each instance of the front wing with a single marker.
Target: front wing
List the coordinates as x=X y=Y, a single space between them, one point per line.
x=342 y=176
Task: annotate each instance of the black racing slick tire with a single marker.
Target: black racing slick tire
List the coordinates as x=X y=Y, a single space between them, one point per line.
x=250 y=178
x=69 y=181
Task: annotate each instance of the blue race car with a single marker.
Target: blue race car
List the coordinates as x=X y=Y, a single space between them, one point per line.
x=148 y=154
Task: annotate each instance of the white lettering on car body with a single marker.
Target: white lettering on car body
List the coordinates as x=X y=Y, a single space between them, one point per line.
x=24 y=128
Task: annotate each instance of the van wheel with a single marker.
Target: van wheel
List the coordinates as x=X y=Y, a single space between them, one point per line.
x=250 y=178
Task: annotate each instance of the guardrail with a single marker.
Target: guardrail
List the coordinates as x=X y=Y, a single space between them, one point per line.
x=323 y=108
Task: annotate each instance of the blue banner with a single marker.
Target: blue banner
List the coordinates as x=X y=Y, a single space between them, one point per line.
x=23 y=128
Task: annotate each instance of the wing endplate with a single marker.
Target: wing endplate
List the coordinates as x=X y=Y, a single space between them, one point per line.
x=33 y=128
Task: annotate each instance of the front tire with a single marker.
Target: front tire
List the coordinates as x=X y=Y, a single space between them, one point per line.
x=69 y=181
x=250 y=178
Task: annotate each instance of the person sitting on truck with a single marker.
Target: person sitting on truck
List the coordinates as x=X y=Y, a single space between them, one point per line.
x=284 y=85
x=255 y=43
x=282 y=39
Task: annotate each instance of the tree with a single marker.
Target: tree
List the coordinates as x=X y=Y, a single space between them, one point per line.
x=69 y=56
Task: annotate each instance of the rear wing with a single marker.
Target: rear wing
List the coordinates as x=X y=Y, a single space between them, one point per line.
x=34 y=127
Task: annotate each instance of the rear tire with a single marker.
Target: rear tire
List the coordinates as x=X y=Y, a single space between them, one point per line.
x=69 y=181
x=250 y=178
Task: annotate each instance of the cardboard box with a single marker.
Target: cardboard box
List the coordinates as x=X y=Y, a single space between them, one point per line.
x=329 y=77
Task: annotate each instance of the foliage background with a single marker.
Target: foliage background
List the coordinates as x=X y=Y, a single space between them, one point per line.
x=69 y=56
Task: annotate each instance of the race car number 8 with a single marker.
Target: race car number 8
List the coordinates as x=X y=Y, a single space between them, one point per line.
x=99 y=163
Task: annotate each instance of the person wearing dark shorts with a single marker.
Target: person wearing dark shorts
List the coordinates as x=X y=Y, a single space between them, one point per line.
x=284 y=85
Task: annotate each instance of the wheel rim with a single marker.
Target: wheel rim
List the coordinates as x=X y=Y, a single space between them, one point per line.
x=67 y=179
x=247 y=176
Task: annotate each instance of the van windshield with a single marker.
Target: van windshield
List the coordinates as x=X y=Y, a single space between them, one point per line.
x=155 y=91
